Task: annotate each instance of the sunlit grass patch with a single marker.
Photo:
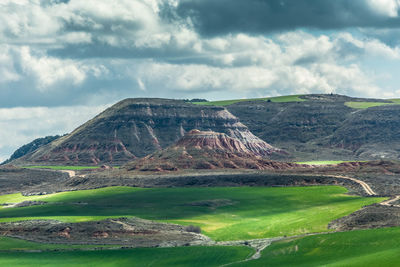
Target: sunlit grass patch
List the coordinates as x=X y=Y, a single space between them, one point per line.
x=364 y=105
x=174 y=257
x=373 y=247
x=276 y=99
x=72 y=168
x=325 y=162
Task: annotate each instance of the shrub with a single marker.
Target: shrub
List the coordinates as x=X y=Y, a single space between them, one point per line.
x=193 y=229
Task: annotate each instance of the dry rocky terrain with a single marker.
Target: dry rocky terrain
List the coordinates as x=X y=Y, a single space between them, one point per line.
x=132 y=232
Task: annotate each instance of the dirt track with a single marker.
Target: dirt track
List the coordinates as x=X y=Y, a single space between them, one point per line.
x=70 y=173
x=369 y=190
x=390 y=201
x=364 y=185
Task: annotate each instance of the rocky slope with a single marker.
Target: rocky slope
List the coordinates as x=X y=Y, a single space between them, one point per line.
x=205 y=150
x=370 y=133
x=134 y=128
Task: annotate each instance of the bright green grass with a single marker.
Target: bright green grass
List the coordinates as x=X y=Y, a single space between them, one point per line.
x=277 y=99
x=364 y=105
x=375 y=247
x=72 y=168
x=181 y=256
x=324 y=162
x=14 y=244
x=254 y=212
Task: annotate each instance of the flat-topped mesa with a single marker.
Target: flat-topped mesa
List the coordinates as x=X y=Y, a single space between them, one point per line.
x=205 y=150
x=134 y=128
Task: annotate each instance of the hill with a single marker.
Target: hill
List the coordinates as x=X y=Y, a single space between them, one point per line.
x=134 y=128
x=326 y=127
x=30 y=147
x=309 y=127
x=205 y=150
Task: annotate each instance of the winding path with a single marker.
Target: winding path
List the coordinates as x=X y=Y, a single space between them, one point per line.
x=390 y=201
x=369 y=190
x=258 y=244
x=70 y=173
x=364 y=185
x=73 y=173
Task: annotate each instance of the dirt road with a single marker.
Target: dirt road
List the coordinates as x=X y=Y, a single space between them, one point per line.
x=70 y=173
x=369 y=190
x=73 y=173
x=390 y=201
x=364 y=185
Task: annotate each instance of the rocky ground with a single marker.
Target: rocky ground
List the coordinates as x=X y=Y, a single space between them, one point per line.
x=373 y=216
x=382 y=176
x=14 y=180
x=132 y=232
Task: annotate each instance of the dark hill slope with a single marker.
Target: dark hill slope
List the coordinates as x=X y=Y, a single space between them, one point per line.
x=30 y=147
x=323 y=127
x=372 y=132
x=137 y=127
x=298 y=122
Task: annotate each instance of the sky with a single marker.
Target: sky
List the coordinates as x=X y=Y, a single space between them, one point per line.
x=64 y=61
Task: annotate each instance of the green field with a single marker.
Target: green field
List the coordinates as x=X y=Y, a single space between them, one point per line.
x=276 y=99
x=324 y=162
x=364 y=105
x=14 y=244
x=375 y=247
x=223 y=213
x=182 y=256
x=72 y=168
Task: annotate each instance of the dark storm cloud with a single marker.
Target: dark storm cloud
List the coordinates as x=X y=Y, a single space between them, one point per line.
x=212 y=17
x=97 y=49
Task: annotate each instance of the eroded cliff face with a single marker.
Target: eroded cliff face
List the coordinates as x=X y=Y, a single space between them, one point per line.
x=134 y=128
x=205 y=150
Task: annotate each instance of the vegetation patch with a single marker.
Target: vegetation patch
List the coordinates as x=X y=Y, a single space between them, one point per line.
x=13 y=244
x=180 y=256
x=72 y=168
x=364 y=105
x=325 y=162
x=253 y=212
x=277 y=99
x=374 y=247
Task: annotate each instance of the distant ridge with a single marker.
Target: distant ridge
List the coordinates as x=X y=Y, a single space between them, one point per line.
x=30 y=147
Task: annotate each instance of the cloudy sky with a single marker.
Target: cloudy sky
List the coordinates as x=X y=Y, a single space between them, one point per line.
x=63 y=61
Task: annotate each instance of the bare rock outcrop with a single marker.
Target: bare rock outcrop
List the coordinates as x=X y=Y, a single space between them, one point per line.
x=205 y=150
